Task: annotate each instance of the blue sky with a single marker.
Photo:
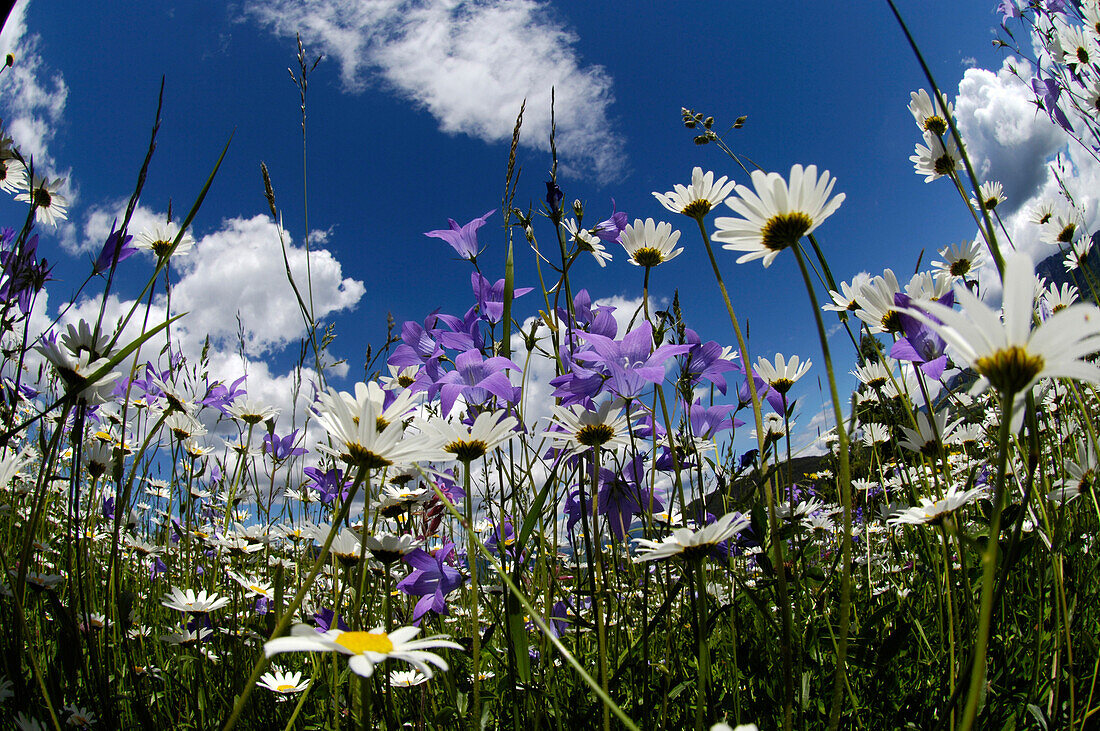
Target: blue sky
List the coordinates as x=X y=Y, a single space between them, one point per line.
x=410 y=114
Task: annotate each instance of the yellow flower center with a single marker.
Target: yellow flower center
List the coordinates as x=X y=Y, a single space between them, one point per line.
x=784 y=230
x=161 y=247
x=594 y=435
x=648 y=256
x=1011 y=369
x=359 y=456
x=697 y=208
x=959 y=267
x=284 y=687
x=360 y=642
x=936 y=124
x=467 y=451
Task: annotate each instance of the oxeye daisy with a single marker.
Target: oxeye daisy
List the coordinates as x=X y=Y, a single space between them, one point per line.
x=778 y=214
x=468 y=443
x=783 y=375
x=1056 y=299
x=12 y=174
x=1081 y=477
x=587 y=241
x=933 y=512
x=960 y=259
x=1042 y=213
x=1063 y=228
x=188 y=601
x=691 y=543
x=160 y=240
x=698 y=200
x=876 y=304
x=936 y=157
x=49 y=205
x=580 y=429
x=251 y=410
x=930 y=116
x=282 y=682
x=366 y=649
x=649 y=244
x=1077 y=49
x=1007 y=353
x=846 y=300
x=1077 y=256
x=991 y=195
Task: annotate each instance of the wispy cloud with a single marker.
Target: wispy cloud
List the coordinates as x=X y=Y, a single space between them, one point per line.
x=32 y=96
x=469 y=64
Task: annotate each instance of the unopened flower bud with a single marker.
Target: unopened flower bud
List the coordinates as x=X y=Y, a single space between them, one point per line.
x=578 y=208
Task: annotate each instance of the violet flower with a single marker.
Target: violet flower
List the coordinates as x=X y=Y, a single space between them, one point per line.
x=463 y=239
x=632 y=363
x=921 y=344
x=490 y=297
x=475 y=378
x=328 y=484
x=116 y=249
x=431 y=579
x=282 y=448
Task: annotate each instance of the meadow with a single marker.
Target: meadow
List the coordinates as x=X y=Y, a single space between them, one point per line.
x=422 y=549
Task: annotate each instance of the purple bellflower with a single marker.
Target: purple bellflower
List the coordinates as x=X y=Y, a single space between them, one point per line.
x=921 y=345
x=475 y=378
x=282 y=448
x=431 y=579
x=632 y=363
x=327 y=484
x=490 y=297
x=463 y=239
x=116 y=249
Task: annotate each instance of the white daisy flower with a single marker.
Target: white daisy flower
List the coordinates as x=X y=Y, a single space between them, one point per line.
x=960 y=259
x=936 y=157
x=587 y=241
x=991 y=194
x=697 y=201
x=160 y=240
x=282 y=682
x=783 y=375
x=49 y=205
x=366 y=649
x=648 y=244
x=930 y=116
x=188 y=601
x=691 y=543
x=932 y=512
x=777 y=215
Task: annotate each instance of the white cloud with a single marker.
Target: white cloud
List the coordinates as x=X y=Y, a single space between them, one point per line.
x=468 y=64
x=31 y=95
x=1010 y=140
x=239 y=270
x=99 y=220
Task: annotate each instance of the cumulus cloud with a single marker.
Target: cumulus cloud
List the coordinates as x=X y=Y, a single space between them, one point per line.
x=469 y=64
x=233 y=284
x=239 y=270
x=32 y=96
x=1011 y=141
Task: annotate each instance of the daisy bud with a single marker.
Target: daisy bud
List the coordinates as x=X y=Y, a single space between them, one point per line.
x=578 y=208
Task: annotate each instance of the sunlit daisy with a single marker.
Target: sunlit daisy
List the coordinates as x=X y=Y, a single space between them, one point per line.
x=929 y=436
x=467 y=443
x=587 y=241
x=251 y=410
x=691 y=543
x=991 y=194
x=360 y=440
x=1078 y=254
x=1077 y=48
x=936 y=157
x=160 y=240
x=188 y=601
x=930 y=116
x=960 y=259
x=578 y=428
x=777 y=215
x=783 y=375
x=1008 y=354
x=282 y=682
x=696 y=201
x=846 y=300
x=1042 y=213
x=1063 y=228
x=876 y=304
x=649 y=244
x=1081 y=477
x=1057 y=299
x=932 y=512
x=49 y=205
x=366 y=649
